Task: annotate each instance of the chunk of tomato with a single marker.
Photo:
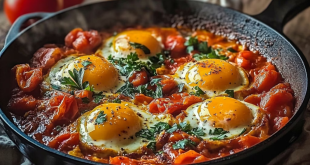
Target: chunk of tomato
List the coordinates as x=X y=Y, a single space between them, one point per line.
x=65 y=142
x=46 y=57
x=175 y=43
x=123 y=160
x=83 y=41
x=190 y=157
x=64 y=106
x=139 y=78
x=27 y=79
x=174 y=104
x=249 y=141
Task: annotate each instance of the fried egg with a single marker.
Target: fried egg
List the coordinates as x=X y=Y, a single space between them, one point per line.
x=99 y=73
x=116 y=135
x=213 y=76
x=123 y=44
x=231 y=115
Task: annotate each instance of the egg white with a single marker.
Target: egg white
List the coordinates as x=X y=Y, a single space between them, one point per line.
x=120 y=144
x=192 y=118
x=107 y=50
x=60 y=70
x=194 y=76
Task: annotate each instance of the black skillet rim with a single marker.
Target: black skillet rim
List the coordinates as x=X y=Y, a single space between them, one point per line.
x=247 y=152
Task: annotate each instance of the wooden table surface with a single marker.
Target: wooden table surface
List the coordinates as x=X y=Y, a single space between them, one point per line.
x=297 y=30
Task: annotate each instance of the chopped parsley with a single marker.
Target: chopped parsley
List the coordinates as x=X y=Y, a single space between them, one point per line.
x=186 y=128
x=98 y=97
x=230 y=93
x=146 y=133
x=155 y=81
x=214 y=54
x=75 y=80
x=232 y=50
x=140 y=46
x=56 y=87
x=242 y=132
x=86 y=63
x=198 y=91
x=158 y=92
x=101 y=118
x=197 y=132
x=129 y=90
x=220 y=132
x=220 y=137
x=191 y=44
x=184 y=143
x=152 y=146
x=204 y=48
x=158 y=60
x=117 y=100
x=131 y=63
x=88 y=87
x=151 y=133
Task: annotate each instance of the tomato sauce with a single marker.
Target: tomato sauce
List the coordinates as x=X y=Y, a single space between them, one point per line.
x=50 y=117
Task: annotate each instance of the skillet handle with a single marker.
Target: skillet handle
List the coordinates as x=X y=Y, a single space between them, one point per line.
x=16 y=27
x=279 y=12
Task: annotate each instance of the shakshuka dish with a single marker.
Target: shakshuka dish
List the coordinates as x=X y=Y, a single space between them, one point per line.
x=149 y=96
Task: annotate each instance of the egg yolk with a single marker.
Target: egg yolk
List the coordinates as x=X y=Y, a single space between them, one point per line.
x=123 y=43
x=225 y=112
x=214 y=75
x=121 y=122
x=100 y=73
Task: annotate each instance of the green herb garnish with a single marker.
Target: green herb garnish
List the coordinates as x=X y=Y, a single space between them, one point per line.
x=191 y=44
x=130 y=64
x=183 y=143
x=198 y=91
x=204 y=48
x=75 y=80
x=101 y=118
x=242 y=132
x=98 y=97
x=197 y=132
x=86 y=63
x=151 y=133
x=230 y=93
x=146 y=133
x=88 y=87
x=220 y=132
x=152 y=146
x=220 y=137
x=56 y=87
x=186 y=128
x=155 y=81
x=117 y=100
x=140 y=46
x=232 y=50
x=214 y=54
x=129 y=90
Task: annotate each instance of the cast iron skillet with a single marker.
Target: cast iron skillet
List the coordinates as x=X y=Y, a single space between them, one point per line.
x=290 y=62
